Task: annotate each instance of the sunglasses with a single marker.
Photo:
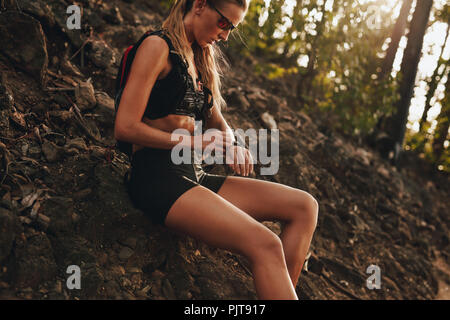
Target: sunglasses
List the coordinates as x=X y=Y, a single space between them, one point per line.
x=223 y=22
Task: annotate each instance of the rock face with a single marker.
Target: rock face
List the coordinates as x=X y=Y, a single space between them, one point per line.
x=85 y=96
x=63 y=201
x=104 y=109
x=24 y=43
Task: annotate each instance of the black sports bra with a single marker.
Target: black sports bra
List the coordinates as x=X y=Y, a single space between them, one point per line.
x=175 y=93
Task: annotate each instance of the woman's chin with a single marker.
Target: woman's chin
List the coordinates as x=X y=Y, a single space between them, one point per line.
x=206 y=43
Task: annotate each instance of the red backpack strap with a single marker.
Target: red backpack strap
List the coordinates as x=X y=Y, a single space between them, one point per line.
x=124 y=63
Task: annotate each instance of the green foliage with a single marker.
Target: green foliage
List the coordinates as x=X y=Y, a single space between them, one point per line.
x=272 y=71
x=166 y=4
x=422 y=144
x=444 y=162
x=420 y=141
x=347 y=42
x=444 y=14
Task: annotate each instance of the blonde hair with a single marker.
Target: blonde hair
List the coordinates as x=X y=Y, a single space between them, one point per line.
x=206 y=59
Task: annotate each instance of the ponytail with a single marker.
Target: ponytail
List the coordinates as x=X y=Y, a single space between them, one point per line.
x=205 y=59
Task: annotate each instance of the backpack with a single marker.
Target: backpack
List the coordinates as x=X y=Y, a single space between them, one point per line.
x=122 y=77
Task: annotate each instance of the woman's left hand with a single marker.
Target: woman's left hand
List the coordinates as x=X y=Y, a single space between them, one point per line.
x=242 y=162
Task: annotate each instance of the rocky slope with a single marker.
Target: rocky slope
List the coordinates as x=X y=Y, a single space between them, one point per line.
x=63 y=202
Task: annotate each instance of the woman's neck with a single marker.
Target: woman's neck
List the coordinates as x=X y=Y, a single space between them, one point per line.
x=188 y=27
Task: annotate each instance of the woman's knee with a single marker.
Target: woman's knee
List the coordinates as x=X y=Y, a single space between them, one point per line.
x=264 y=245
x=307 y=211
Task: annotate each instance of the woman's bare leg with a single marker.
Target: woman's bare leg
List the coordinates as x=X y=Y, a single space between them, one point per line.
x=204 y=215
x=264 y=200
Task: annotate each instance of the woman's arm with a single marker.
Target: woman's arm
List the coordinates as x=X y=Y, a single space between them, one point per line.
x=150 y=61
x=242 y=162
x=217 y=121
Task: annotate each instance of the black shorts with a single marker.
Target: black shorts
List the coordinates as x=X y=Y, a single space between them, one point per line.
x=156 y=182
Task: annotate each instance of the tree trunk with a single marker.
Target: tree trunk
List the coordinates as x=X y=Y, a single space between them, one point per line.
x=397 y=33
x=386 y=68
x=432 y=85
x=443 y=123
x=407 y=76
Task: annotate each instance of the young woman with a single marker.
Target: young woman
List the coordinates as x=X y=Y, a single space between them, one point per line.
x=222 y=211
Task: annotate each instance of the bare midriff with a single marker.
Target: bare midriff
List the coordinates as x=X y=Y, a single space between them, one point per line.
x=169 y=124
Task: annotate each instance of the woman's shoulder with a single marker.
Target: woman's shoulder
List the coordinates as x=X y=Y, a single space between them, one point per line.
x=154 y=44
x=162 y=39
x=152 y=54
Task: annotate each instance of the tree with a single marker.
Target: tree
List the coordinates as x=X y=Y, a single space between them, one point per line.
x=396 y=124
x=397 y=33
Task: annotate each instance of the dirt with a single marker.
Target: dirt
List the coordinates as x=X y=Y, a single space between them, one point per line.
x=63 y=201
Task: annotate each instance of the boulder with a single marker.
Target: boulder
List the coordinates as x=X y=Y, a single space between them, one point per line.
x=101 y=54
x=24 y=43
x=268 y=120
x=85 y=96
x=104 y=109
x=40 y=10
